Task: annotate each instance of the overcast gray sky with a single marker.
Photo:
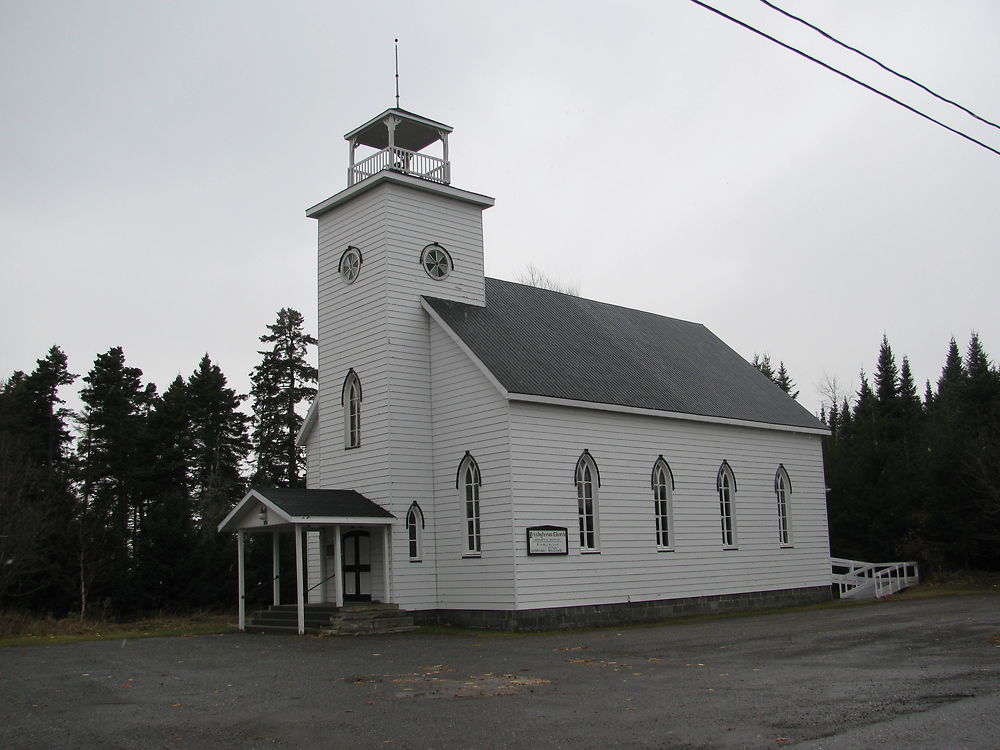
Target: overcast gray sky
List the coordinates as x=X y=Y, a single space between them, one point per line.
x=156 y=159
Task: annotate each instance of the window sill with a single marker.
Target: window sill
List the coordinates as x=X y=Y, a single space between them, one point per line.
x=412 y=559
x=472 y=555
x=786 y=546
x=664 y=549
x=590 y=552
x=727 y=547
x=351 y=447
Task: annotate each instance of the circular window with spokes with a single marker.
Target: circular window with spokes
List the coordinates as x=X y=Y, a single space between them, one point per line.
x=436 y=261
x=350 y=265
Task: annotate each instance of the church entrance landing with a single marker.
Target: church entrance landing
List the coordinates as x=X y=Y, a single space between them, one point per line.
x=342 y=552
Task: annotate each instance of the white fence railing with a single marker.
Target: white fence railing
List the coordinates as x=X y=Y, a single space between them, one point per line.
x=401 y=160
x=863 y=580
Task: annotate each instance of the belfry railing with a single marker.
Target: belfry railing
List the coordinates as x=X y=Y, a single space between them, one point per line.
x=401 y=160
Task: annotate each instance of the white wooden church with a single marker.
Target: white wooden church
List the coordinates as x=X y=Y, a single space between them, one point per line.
x=492 y=454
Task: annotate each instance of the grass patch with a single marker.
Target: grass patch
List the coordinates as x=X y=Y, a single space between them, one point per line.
x=955 y=584
x=22 y=629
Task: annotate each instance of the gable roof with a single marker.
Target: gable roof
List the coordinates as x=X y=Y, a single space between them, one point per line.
x=543 y=343
x=300 y=505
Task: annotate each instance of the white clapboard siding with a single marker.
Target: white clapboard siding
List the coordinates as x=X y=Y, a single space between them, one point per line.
x=377 y=327
x=548 y=440
x=470 y=415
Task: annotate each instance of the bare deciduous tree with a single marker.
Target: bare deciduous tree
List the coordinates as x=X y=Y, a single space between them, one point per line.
x=534 y=276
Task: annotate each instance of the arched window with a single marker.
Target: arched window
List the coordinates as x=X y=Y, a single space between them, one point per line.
x=415 y=532
x=468 y=482
x=782 y=490
x=726 y=485
x=350 y=399
x=663 y=487
x=588 y=481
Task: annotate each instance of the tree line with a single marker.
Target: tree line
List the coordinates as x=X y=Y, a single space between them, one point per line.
x=115 y=508
x=914 y=477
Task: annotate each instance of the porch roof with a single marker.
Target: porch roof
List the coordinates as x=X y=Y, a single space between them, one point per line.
x=269 y=507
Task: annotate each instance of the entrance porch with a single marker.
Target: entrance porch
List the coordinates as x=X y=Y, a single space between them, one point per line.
x=342 y=546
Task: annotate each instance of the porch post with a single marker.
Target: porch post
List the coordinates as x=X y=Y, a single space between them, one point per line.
x=241 y=580
x=338 y=581
x=276 y=567
x=299 y=594
x=386 y=562
x=322 y=565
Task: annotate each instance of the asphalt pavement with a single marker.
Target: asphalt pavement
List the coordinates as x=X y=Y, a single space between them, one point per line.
x=921 y=673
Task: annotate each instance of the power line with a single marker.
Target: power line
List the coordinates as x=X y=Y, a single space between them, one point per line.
x=882 y=65
x=851 y=78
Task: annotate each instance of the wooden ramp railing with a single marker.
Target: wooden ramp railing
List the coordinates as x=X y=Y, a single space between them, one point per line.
x=864 y=580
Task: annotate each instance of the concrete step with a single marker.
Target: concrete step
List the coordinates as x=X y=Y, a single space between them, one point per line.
x=351 y=619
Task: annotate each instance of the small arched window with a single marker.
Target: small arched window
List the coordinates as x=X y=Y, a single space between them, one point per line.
x=588 y=482
x=415 y=532
x=783 y=491
x=662 y=482
x=350 y=399
x=726 y=485
x=468 y=482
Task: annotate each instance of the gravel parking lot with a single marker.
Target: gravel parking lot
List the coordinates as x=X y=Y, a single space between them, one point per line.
x=894 y=674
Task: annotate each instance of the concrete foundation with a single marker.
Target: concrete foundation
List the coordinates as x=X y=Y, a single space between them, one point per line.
x=556 y=618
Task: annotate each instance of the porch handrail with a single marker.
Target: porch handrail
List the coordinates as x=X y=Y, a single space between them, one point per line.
x=332 y=575
x=856 y=578
x=262 y=584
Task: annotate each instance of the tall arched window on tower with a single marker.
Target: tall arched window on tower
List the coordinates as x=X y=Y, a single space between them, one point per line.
x=726 y=485
x=350 y=399
x=663 y=488
x=782 y=490
x=588 y=481
x=415 y=532
x=468 y=482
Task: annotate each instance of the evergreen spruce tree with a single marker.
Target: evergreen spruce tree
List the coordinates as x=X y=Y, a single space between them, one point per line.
x=112 y=464
x=218 y=451
x=36 y=499
x=784 y=381
x=280 y=385
x=166 y=551
x=763 y=363
x=886 y=375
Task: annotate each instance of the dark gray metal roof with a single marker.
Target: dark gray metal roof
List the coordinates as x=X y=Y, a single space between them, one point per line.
x=545 y=343
x=323 y=503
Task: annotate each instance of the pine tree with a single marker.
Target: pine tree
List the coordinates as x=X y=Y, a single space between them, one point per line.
x=166 y=554
x=280 y=384
x=909 y=401
x=953 y=372
x=112 y=461
x=763 y=363
x=886 y=375
x=36 y=501
x=218 y=451
x=784 y=381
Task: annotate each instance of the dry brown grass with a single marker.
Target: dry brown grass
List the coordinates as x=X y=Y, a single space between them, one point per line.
x=20 y=628
x=959 y=582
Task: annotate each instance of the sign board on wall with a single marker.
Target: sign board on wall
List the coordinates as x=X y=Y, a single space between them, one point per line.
x=548 y=540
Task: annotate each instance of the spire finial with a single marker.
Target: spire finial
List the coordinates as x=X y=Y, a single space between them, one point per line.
x=397 y=73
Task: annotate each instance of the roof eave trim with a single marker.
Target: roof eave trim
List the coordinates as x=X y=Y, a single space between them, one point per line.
x=312 y=416
x=241 y=505
x=464 y=348
x=343 y=520
x=483 y=201
x=553 y=401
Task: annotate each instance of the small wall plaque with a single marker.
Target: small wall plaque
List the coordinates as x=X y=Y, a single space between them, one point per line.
x=548 y=540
